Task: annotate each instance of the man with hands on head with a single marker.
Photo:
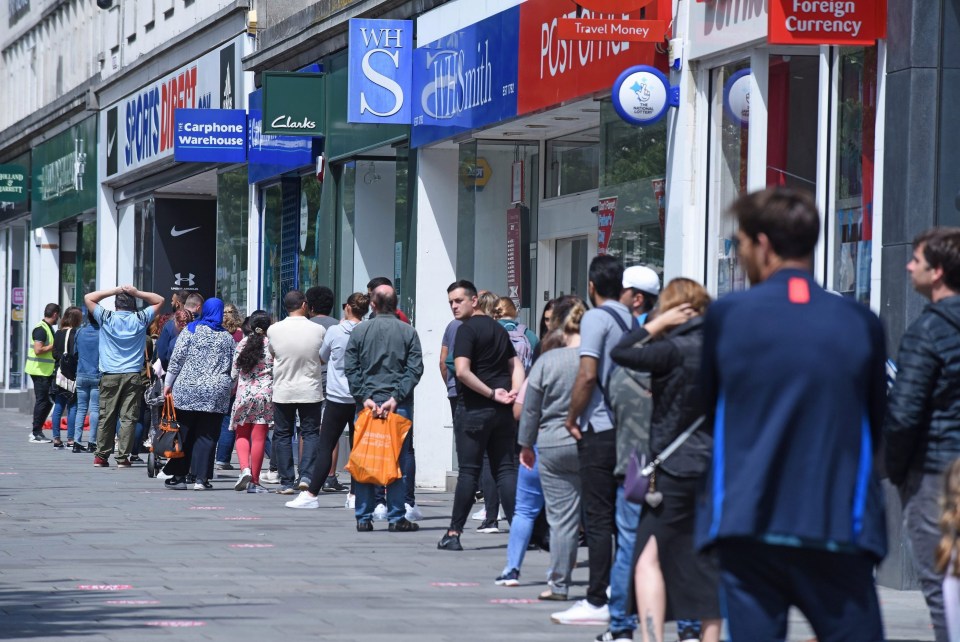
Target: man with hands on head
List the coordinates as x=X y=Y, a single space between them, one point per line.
x=489 y=376
x=123 y=336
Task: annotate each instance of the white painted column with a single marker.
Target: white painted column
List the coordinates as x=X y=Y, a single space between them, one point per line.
x=106 y=241
x=436 y=270
x=44 y=278
x=126 y=244
x=254 y=251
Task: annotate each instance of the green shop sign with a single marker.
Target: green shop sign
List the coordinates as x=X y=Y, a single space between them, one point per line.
x=65 y=174
x=13 y=183
x=293 y=104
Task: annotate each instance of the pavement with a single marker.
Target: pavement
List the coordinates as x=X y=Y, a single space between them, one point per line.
x=107 y=554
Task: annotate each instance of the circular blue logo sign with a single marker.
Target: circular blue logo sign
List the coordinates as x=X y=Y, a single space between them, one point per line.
x=736 y=97
x=641 y=95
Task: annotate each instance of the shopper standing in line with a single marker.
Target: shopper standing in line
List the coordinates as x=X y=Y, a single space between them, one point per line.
x=88 y=383
x=40 y=366
x=252 y=413
x=65 y=354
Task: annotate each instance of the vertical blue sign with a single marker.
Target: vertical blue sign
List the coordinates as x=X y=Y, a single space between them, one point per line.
x=380 y=71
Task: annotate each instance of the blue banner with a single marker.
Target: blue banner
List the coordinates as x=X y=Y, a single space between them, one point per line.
x=210 y=135
x=270 y=156
x=466 y=80
x=380 y=71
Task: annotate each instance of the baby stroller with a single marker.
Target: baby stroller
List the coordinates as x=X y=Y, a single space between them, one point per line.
x=153 y=397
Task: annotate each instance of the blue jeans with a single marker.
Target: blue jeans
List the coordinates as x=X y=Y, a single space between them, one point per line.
x=408 y=464
x=88 y=399
x=628 y=516
x=528 y=507
x=227 y=440
x=61 y=402
x=366 y=494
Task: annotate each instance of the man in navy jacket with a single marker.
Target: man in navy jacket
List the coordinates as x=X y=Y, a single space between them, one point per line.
x=794 y=378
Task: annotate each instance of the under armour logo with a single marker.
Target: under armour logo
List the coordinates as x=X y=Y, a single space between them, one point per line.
x=181 y=281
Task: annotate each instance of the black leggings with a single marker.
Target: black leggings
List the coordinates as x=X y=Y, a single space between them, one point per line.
x=199 y=432
x=336 y=417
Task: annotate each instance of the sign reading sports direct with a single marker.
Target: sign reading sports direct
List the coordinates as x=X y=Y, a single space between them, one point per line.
x=827 y=22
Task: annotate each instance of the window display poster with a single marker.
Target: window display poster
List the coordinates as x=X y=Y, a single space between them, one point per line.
x=514 y=260
x=605 y=215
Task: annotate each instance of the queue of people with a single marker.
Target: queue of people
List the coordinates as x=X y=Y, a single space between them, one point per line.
x=701 y=450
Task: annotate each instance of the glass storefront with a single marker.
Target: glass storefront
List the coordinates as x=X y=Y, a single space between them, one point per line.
x=493 y=233
x=232 y=216
x=853 y=204
x=633 y=163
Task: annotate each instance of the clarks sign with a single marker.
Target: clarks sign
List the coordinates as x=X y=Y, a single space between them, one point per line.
x=292 y=103
x=827 y=22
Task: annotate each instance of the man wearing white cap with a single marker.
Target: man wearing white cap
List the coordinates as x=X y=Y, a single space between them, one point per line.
x=641 y=288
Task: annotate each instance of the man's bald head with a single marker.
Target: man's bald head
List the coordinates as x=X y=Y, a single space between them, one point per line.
x=384 y=299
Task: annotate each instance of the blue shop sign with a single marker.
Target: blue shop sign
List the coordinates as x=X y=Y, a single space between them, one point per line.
x=642 y=95
x=210 y=135
x=269 y=156
x=466 y=80
x=380 y=71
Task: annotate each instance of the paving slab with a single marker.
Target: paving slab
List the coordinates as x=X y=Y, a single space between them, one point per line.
x=106 y=554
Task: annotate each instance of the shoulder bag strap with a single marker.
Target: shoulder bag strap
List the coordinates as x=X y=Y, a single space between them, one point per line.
x=672 y=448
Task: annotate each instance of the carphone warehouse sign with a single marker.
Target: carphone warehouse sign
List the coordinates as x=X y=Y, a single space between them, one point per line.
x=210 y=135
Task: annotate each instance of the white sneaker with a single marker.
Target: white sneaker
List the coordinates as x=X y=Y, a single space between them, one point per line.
x=414 y=514
x=380 y=513
x=162 y=476
x=244 y=481
x=270 y=477
x=39 y=439
x=303 y=500
x=351 y=502
x=480 y=515
x=582 y=613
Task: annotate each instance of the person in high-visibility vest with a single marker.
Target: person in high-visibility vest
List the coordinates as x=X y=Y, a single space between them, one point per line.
x=40 y=366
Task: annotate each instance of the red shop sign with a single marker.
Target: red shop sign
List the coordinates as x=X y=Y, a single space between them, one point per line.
x=553 y=69
x=613 y=5
x=827 y=22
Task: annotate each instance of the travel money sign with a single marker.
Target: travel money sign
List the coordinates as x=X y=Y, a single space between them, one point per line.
x=827 y=22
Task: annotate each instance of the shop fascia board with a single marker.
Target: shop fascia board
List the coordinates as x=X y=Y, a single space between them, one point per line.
x=51 y=119
x=326 y=32
x=205 y=36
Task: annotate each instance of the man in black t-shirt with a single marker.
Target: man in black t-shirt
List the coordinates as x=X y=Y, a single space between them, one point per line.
x=489 y=376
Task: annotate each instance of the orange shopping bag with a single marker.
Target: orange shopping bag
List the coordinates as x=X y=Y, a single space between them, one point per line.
x=376 y=448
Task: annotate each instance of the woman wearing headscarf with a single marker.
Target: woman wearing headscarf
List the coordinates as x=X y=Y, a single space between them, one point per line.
x=198 y=376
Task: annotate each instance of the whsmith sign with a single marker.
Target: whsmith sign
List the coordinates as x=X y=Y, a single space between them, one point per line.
x=380 y=71
x=139 y=129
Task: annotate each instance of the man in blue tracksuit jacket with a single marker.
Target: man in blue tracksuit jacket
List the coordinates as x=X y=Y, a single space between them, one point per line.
x=794 y=376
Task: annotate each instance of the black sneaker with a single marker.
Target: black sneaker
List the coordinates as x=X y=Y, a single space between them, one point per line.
x=38 y=438
x=510 y=578
x=449 y=543
x=333 y=485
x=403 y=526
x=190 y=478
x=175 y=483
x=78 y=447
x=57 y=443
x=609 y=636
x=489 y=527
x=364 y=526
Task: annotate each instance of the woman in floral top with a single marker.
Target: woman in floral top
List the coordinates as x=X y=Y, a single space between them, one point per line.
x=253 y=408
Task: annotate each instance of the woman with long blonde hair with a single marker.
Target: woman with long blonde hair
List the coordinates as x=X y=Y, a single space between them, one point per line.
x=668 y=568
x=948 y=552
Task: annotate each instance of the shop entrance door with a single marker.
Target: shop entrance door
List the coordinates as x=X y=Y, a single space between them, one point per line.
x=570 y=275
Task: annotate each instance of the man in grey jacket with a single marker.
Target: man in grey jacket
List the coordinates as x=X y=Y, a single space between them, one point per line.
x=922 y=430
x=383 y=363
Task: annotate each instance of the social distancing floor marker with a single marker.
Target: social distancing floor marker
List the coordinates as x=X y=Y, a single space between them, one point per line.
x=132 y=602
x=241 y=519
x=251 y=546
x=176 y=624
x=207 y=507
x=104 y=587
x=454 y=584
x=515 y=600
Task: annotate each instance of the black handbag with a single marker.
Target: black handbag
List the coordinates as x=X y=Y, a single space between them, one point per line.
x=168 y=442
x=636 y=483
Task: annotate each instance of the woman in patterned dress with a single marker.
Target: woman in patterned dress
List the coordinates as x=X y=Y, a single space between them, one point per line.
x=198 y=376
x=253 y=408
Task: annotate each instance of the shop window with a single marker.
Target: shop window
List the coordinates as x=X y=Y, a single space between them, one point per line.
x=232 y=215
x=405 y=233
x=631 y=213
x=729 y=137
x=309 y=264
x=792 y=122
x=490 y=251
x=853 y=205
x=271 y=204
x=573 y=163
x=87 y=259
x=347 y=207
x=143 y=227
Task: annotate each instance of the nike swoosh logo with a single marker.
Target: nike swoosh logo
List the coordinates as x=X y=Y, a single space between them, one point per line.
x=175 y=232
x=110 y=142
